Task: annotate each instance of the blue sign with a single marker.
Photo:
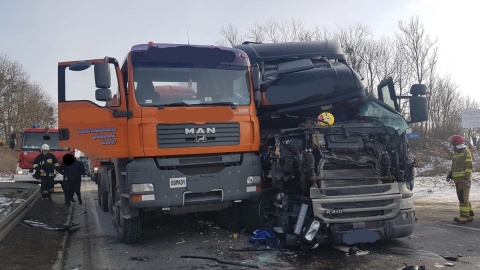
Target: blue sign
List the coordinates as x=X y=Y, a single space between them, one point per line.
x=413 y=136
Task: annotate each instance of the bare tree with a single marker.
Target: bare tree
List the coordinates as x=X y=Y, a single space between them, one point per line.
x=230 y=35
x=354 y=39
x=22 y=103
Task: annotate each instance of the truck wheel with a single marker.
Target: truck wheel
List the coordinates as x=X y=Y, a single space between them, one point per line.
x=129 y=229
x=258 y=214
x=104 y=201
x=99 y=195
x=229 y=218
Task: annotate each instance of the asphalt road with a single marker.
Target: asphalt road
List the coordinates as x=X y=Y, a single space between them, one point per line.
x=95 y=246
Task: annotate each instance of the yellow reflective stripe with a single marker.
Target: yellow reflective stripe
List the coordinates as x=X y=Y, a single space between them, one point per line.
x=468 y=170
x=458 y=174
x=458 y=155
x=56 y=164
x=35 y=165
x=464 y=209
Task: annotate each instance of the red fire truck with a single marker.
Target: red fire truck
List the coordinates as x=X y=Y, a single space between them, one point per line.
x=30 y=142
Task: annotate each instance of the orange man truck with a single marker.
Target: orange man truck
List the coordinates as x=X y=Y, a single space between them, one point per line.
x=178 y=135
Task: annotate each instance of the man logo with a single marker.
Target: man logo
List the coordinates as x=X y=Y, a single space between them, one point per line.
x=199 y=131
x=201 y=138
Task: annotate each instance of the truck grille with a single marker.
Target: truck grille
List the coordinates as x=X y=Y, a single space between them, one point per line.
x=191 y=135
x=207 y=197
x=355 y=195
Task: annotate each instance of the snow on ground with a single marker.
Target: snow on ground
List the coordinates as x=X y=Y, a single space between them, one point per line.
x=435 y=189
x=6 y=177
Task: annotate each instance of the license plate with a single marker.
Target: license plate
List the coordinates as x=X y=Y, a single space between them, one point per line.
x=333 y=211
x=178 y=182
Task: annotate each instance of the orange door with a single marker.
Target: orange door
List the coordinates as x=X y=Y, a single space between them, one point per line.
x=87 y=121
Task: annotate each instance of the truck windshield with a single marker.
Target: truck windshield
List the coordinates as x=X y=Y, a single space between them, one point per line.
x=185 y=86
x=387 y=116
x=35 y=140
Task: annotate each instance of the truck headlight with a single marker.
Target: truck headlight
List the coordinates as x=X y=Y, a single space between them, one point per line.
x=312 y=230
x=254 y=180
x=95 y=169
x=19 y=172
x=142 y=187
x=406 y=203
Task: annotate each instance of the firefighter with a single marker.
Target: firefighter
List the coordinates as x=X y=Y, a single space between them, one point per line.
x=45 y=165
x=461 y=174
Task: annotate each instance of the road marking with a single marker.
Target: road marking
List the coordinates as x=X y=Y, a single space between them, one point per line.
x=463 y=227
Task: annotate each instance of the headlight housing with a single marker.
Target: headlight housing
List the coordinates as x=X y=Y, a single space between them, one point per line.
x=254 y=180
x=312 y=230
x=142 y=187
x=406 y=203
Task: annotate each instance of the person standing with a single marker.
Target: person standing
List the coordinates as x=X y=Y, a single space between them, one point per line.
x=410 y=171
x=45 y=165
x=461 y=174
x=72 y=171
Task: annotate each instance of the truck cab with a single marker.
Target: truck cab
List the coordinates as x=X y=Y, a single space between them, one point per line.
x=175 y=130
x=334 y=158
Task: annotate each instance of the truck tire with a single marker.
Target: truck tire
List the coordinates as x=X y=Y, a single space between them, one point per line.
x=129 y=229
x=259 y=213
x=229 y=218
x=99 y=195
x=104 y=200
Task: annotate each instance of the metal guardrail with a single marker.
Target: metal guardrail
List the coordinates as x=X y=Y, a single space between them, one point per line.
x=22 y=197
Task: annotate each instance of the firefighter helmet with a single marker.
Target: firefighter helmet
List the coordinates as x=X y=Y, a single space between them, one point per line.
x=456 y=140
x=45 y=147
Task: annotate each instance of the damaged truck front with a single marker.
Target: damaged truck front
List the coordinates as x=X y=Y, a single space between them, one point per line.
x=333 y=157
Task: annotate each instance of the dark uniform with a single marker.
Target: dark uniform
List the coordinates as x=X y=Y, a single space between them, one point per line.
x=48 y=163
x=410 y=171
x=72 y=178
x=461 y=173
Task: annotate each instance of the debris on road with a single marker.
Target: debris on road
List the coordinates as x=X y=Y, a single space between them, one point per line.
x=138 y=259
x=52 y=227
x=221 y=261
x=181 y=242
x=414 y=267
x=450 y=258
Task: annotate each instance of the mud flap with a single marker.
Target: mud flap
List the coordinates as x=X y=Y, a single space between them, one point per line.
x=360 y=236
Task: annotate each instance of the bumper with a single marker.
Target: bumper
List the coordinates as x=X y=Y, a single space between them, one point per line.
x=28 y=178
x=400 y=226
x=195 y=184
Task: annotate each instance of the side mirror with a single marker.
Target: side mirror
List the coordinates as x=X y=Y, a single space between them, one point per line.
x=102 y=75
x=257 y=98
x=418 y=109
x=256 y=78
x=103 y=94
x=418 y=90
x=79 y=66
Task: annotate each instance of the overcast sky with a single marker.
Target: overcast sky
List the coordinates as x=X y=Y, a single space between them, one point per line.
x=40 y=33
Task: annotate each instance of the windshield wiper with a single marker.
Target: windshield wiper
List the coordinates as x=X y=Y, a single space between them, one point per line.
x=219 y=104
x=175 y=104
